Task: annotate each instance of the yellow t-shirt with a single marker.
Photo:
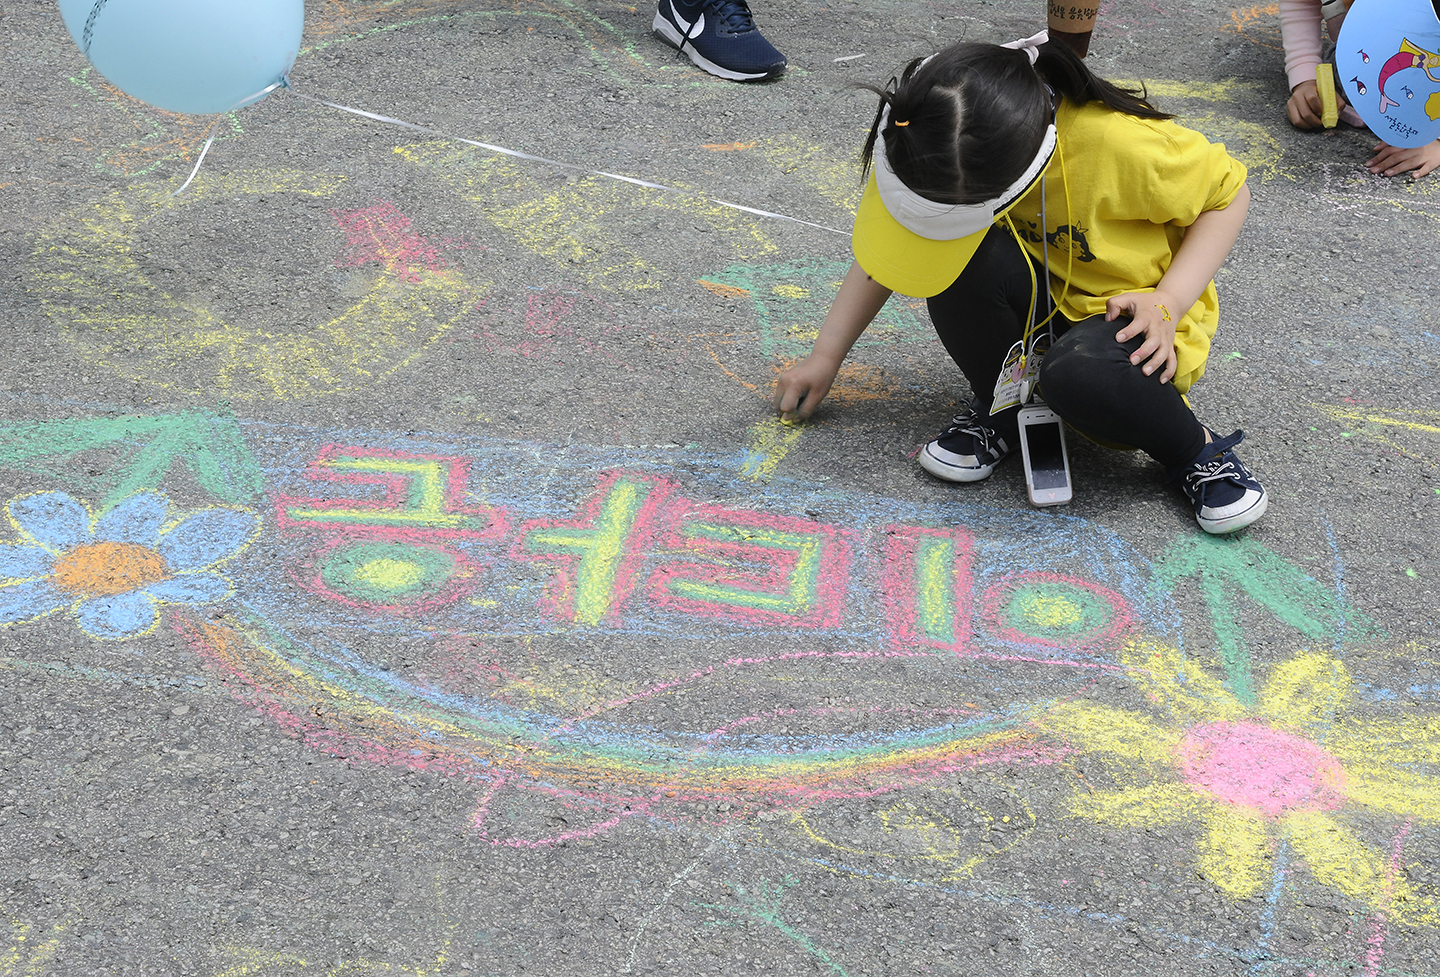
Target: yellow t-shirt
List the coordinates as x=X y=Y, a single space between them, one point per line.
x=1118 y=196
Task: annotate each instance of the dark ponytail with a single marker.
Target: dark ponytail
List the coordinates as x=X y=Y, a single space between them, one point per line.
x=888 y=98
x=1068 y=75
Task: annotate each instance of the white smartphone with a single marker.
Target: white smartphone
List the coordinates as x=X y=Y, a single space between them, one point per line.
x=1047 y=463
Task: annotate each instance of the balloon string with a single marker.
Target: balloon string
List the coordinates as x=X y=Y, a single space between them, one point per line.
x=517 y=154
x=208 y=141
x=282 y=83
x=285 y=83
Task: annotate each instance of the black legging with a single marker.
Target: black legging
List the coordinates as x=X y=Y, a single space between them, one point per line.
x=1086 y=378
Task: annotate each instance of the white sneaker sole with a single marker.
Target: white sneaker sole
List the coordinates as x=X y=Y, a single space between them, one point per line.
x=666 y=32
x=935 y=463
x=1229 y=523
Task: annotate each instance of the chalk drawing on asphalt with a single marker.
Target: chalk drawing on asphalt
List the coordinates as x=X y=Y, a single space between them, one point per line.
x=250 y=961
x=27 y=955
x=1249 y=142
x=559 y=327
x=93 y=283
x=115 y=571
x=762 y=902
x=1413 y=433
x=160 y=137
x=1257 y=24
x=611 y=46
x=1347 y=188
x=139 y=453
x=514 y=551
x=572 y=224
x=771 y=441
x=788 y=301
x=1286 y=768
x=936 y=832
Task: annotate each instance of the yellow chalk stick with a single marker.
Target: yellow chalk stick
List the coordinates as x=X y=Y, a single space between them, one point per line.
x=1329 y=105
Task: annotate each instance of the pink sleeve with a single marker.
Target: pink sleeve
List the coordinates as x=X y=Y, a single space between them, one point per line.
x=1300 y=32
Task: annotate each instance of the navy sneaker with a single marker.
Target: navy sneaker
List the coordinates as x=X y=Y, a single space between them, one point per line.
x=967 y=451
x=719 y=36
x=1226 y=496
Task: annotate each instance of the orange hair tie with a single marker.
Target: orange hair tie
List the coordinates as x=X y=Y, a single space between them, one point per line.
x=905 y=123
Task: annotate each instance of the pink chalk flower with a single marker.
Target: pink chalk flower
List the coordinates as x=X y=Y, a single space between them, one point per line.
x=1285 y=767
x=1254 y=766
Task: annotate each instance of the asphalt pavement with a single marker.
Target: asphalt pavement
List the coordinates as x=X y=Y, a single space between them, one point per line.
x=404 y=572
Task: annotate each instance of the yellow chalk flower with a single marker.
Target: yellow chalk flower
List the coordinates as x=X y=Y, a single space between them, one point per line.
x=1252 y=775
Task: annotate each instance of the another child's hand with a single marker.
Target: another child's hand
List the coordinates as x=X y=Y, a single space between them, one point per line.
x=801 y=388
x=1154 y=315
x=1304 y=106
x=1393 y=160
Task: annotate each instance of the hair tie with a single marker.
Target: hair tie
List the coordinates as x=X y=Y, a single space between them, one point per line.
x=1030 y=45
x=899 y=124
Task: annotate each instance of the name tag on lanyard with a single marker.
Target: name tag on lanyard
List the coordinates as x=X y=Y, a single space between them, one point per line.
x=1021 y=373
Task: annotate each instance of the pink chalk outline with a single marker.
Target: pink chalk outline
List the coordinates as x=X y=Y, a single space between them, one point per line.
x=309 y=575
x=1121 y=622
x=561 y=595
x=1379 y=931
x=571 y=800
x=552 y=329
x=775 y=576
x=407 y=512
x=900 y=594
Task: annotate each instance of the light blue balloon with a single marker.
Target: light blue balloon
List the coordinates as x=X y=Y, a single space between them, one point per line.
x=197 y=56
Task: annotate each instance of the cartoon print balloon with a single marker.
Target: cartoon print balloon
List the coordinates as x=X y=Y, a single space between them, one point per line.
x=1388 y=57
x=197 y=56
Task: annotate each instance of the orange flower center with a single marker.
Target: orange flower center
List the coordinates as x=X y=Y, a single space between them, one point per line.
x=106 y=569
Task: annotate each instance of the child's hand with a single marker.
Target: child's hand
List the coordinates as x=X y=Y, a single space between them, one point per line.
x=1392 y=160
x=1154 y=314
x=801 y=388
x=1304 y=106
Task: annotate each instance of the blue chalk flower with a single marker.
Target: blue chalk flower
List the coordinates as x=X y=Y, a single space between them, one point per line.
x=116 y=570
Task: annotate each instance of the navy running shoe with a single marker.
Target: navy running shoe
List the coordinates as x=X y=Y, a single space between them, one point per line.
x=967 y=451
x=1226 y=496
x=719 y=36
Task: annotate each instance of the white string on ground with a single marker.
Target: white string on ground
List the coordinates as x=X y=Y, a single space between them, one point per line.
x=517 y=154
